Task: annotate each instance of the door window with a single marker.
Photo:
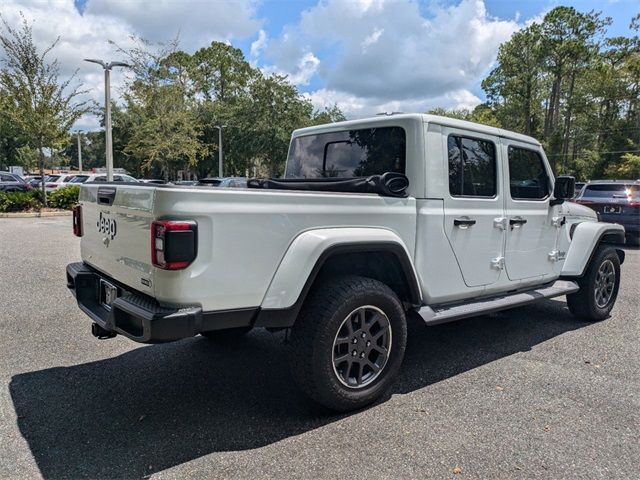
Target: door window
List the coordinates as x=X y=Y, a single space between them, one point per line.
x=472 y=167
x=528 y=179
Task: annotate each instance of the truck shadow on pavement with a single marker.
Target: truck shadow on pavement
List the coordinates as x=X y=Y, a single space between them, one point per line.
x=159 y=406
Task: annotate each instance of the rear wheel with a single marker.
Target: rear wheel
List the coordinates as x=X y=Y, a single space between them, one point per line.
x=598 y=287
x=348 y=342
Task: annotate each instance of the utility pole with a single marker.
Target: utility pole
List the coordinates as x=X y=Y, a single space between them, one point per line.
x=107 y=110
x=220 y=171
x=79 y=154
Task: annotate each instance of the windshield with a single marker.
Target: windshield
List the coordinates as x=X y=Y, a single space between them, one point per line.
x=348 y=154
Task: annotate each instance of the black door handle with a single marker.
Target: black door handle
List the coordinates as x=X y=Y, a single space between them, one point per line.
x=517 y=221
x=467 y=222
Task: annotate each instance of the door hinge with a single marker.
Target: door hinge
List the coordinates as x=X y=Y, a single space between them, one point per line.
x=558 y=221
x=500 y=222
x=498 y=263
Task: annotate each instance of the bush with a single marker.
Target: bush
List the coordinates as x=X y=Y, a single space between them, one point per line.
x=64 y=198
x=20 y=201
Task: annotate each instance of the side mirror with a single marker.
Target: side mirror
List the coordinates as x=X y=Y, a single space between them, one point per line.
x=564 y=189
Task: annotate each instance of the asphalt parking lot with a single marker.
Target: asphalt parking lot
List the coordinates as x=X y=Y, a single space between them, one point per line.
x=530 y=393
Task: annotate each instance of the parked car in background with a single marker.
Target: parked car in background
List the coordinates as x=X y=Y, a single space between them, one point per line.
x=101 y=177
x=209 y=182
x=184 y=183
x=154 y=181
x=57 y=181
x=33 y=181
x=232 y=182
x=10 y=182
x=579 y=187
x=615 y=201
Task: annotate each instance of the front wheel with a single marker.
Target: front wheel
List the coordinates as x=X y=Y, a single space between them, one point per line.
x=598 y=287
x=348 y=342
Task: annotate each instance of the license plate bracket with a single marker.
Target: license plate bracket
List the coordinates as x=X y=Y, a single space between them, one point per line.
x=108 y=293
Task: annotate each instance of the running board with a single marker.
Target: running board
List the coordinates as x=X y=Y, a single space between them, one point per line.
x=436 y=315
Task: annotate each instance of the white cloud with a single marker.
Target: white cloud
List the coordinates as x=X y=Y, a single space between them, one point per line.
x=365 y=55
x=355 y=106
x=387 y=53
x=371 y=39
x=258 y=46
x=87 y=35
x=199 y=22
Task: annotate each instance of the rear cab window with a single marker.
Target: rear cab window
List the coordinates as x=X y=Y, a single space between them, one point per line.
x=348 y=154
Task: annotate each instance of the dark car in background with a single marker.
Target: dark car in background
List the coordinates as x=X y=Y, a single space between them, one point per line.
x=230 y=182
x=10 y=182
x=615 y=201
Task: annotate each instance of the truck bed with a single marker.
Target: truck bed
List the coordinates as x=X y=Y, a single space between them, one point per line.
x=242 y=233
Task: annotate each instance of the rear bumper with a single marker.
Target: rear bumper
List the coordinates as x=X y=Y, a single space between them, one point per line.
x=140 y=317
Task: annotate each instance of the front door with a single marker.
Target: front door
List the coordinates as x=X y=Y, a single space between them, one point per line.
x=474 y=205
x=531 y=230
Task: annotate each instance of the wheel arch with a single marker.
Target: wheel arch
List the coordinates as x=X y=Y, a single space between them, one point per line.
x=318 y=254
x=585 y=239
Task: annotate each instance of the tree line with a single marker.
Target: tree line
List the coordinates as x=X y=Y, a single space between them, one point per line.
x=565 y=82
x=172 y=106
x=561 y=80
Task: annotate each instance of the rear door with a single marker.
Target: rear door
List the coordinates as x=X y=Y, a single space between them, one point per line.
x=116 y=239
x=531 y=231
x=474 y=206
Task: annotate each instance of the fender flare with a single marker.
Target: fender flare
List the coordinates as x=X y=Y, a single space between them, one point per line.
x=307 y=254
x=586 y=238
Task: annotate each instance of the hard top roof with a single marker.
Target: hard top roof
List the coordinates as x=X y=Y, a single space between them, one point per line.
x=391 y=119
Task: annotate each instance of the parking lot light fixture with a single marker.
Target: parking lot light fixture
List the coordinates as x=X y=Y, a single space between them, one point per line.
x=107 y=108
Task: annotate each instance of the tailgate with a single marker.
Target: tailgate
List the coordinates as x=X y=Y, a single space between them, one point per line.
x=116 y=238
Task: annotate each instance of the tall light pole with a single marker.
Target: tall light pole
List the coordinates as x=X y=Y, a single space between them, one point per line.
x=79 y=153
x=107 y=110
x=220 y=127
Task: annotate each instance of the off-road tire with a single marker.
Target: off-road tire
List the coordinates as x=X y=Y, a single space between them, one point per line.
x=227 y=336
x=584 y=304
x=325 y=310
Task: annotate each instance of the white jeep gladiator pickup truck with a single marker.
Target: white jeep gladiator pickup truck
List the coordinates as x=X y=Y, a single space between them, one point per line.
x=374 y=220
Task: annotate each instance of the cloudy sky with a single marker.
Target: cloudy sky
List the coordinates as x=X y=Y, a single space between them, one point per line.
x=365 y=55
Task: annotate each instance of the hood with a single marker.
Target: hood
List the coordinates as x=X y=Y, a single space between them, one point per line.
x=578 y=211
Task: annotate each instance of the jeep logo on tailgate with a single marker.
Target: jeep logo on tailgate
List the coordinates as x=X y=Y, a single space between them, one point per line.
x=106 y=225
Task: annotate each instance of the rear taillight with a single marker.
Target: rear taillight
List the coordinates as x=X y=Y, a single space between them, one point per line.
x=51 y=185
x=174 y=243
x=77 y=220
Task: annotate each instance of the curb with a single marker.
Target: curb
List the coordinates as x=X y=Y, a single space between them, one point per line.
x=64 y=213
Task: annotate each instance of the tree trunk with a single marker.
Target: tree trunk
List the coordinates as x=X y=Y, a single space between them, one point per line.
x=567 y=121
x=527 y=108
x=42 y=182
x=551 y=121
